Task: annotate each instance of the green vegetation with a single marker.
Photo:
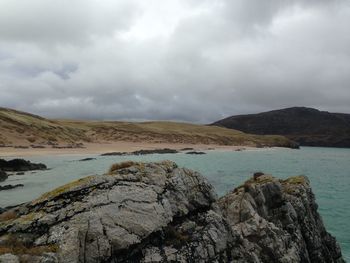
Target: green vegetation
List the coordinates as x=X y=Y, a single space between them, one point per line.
x=301 y=179
x=289 y=185
x=117 y=166
x=62 y=189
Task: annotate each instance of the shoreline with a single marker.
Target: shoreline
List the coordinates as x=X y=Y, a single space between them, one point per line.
x=100 y=148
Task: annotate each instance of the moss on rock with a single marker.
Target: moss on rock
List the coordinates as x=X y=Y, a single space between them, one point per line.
x=62 y=189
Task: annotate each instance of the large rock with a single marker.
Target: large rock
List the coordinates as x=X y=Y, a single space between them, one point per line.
x=10 y=186
x=3 y=176
x=279 y=222
x=17 y=165
x=157 y=212
x=142 y=152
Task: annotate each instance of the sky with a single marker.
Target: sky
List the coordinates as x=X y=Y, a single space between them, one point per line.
x=182 y=60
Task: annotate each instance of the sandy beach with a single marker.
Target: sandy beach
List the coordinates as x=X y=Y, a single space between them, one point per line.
x=99 y=148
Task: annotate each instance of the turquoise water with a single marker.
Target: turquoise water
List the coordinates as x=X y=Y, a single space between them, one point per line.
x=327 y=168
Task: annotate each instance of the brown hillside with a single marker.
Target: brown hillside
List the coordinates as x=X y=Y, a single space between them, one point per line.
x=20 y=128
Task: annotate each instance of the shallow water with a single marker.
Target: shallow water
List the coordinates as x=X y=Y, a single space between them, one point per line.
x=327 y=168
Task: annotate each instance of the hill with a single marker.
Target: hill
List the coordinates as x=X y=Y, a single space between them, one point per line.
x=307 y=126
x=24 y=129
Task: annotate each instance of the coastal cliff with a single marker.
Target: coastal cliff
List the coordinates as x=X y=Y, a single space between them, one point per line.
x=157 y=212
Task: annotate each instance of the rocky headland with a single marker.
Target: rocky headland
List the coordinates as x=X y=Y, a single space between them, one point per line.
x=306 y=126
x=158 y=212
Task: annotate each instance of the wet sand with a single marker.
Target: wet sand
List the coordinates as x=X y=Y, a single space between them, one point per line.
x=99 y=148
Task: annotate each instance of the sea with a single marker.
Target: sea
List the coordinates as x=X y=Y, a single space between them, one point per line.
x=328 y=170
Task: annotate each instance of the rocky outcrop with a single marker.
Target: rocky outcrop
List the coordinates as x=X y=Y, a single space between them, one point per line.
x=17 y=165
x=87 y=159
x=141 y=152
x=157 y=212
x=3 y=176
x=196 y=153
x=278 y=221
x=10 y=186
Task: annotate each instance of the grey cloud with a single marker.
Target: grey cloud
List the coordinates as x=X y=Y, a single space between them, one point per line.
x=216 y=59
x=255 y=12
x=65 y=21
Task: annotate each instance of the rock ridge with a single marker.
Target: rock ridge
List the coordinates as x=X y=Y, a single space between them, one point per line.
x=158 y=212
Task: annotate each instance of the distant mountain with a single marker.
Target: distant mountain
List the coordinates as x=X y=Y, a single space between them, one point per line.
x=307 y=126
x=21 y=129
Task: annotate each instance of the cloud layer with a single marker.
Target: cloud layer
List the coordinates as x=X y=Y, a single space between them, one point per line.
x=196 y=60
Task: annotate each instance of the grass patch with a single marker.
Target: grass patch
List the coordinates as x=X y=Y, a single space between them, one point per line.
x=8 y=215
x=301 y=179
x=117 y=166
x=15 y=246
x=62 y=189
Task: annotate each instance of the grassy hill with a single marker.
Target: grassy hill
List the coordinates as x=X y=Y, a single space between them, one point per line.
x=307 y=126
x=20 y=128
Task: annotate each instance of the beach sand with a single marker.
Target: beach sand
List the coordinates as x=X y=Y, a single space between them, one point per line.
x=99 y=148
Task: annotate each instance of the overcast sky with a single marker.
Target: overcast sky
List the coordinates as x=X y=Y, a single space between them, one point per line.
x=188 y=60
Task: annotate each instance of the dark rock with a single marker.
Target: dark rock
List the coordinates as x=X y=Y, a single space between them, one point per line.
x=69 y=146
x=52 y=143
x=156 y=151
x=187 y=149
x=21 y=147
x=195 y=153
x=242 y=149
x=157 y=212
x=257 y=175
x=20 y=173
x=141 y=152
x=20 y=165
x=9 y=187
x=87 y=159
x=37 y=146
x=115 y=154
x=3 y=176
